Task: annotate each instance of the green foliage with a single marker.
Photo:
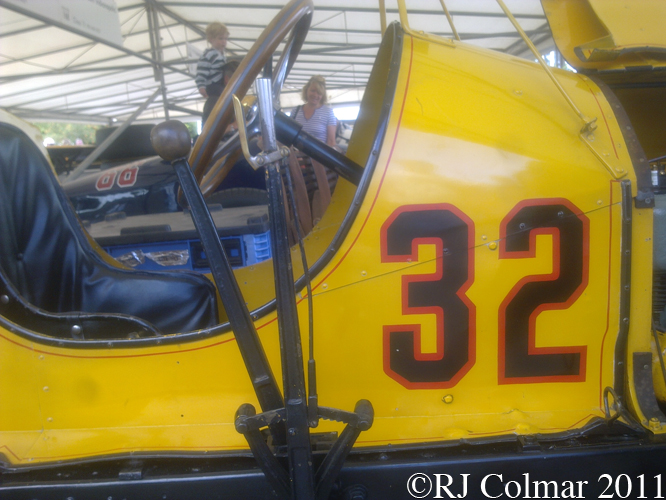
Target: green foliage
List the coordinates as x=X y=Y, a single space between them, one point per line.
x=192 y=127
x=68 y=133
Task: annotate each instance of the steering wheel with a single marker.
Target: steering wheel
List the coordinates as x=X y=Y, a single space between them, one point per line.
x=296 y=15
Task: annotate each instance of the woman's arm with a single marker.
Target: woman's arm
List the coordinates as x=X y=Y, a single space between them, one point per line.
x=330 y=135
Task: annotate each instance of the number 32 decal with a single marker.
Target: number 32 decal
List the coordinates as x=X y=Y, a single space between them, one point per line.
x=443 y=293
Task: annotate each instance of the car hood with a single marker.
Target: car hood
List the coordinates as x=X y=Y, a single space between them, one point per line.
x=608 y=35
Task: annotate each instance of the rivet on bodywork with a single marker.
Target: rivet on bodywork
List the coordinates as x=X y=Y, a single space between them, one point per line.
x=46 y=388
x=448 y=399
x=492 y=245
x=76 y=330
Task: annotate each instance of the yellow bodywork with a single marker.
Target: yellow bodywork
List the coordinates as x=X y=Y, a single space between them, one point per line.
x=624 y=43
x=472 y=133
x=608 y=34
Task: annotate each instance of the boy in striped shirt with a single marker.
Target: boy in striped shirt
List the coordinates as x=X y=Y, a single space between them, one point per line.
x=209 y=79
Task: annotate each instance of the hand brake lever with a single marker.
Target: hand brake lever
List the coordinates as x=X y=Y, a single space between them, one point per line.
x=261 y=159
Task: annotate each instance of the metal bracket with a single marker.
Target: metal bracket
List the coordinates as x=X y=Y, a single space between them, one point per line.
x=262 y=159
x=645 y=396
x=249 y=424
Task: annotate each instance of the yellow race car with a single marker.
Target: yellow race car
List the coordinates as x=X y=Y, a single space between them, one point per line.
x=477 y=294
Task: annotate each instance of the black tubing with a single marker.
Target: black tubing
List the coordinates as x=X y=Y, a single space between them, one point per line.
x=288 y=131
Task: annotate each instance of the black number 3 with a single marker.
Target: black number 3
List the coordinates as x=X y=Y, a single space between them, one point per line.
x=441 y=294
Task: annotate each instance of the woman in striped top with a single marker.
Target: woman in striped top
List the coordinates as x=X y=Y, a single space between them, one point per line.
x=315 y=116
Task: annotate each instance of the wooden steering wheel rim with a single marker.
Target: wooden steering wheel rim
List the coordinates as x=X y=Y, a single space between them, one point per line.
x=297 y=14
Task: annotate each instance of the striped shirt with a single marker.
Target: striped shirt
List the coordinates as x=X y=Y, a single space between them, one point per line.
x=317 y=125
x=209 y=67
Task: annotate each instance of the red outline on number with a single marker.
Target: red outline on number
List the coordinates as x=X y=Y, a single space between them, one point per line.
x=133 y=171
x=437 y=311
x=107 y=185
x=503 y=254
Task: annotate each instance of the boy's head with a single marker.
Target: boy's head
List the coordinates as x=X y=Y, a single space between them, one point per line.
x=217 y=35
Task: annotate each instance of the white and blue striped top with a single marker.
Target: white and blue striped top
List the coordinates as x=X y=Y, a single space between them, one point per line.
x=317 y=125
x=209 y=67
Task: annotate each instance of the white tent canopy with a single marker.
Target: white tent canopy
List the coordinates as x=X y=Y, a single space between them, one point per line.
x=48 y=72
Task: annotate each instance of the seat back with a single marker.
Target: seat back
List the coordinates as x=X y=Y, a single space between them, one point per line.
x=48 y=259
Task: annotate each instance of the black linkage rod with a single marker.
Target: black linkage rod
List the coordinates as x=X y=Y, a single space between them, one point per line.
x=293 y=377
x=298 y=436
x=172 y=142
x=300 y=483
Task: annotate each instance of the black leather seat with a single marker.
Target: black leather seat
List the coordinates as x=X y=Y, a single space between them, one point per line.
x=47 y=258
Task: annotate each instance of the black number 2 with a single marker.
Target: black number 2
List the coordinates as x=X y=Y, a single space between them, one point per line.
x=520 y=361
